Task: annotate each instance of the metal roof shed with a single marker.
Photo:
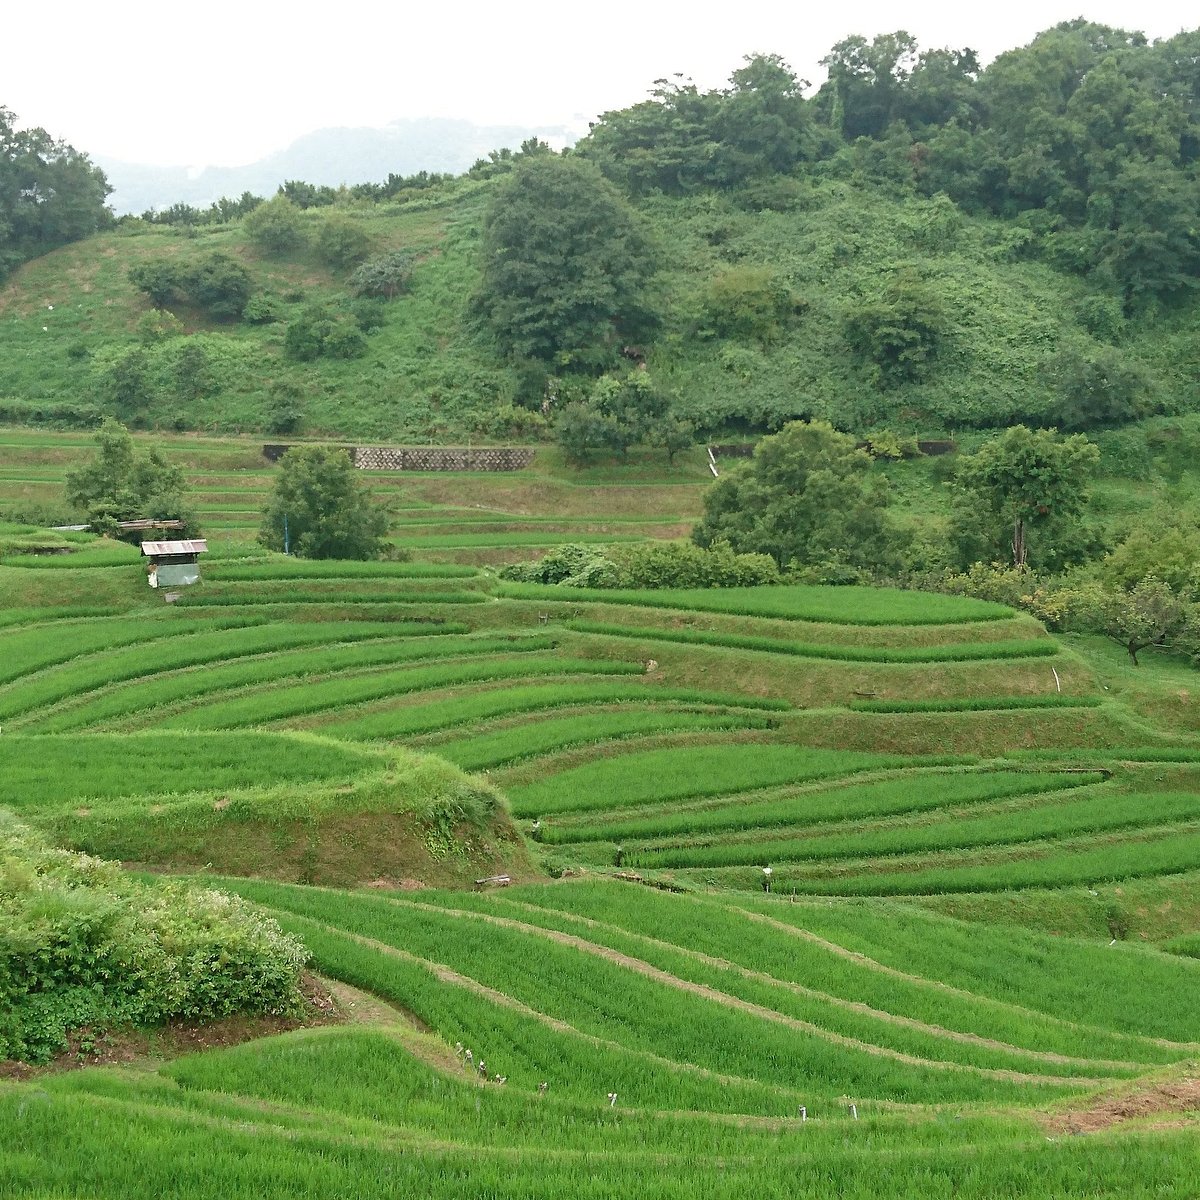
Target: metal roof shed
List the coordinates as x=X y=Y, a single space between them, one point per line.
x=174 y=564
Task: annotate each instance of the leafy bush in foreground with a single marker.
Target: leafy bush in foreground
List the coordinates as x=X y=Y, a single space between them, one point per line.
x=82 y=945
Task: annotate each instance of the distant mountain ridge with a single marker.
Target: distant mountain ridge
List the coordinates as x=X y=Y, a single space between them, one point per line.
x=325 y=156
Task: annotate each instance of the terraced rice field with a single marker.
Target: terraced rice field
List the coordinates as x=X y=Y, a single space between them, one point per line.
x=510 y=515
x=653 y=1019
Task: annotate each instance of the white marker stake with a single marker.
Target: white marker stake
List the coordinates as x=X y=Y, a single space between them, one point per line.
x=803 y=1113
x=854 y=1111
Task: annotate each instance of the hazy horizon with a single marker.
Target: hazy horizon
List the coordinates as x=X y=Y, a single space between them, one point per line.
x=143 y=84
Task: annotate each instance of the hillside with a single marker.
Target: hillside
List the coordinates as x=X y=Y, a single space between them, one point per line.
x=919 y=244
x=71 y=318
x=870 y=875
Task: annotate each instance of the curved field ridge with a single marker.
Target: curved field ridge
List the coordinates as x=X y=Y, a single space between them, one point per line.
x=441 y=714
x=796 y=602
x=659 y=776
x=898 y=794
x=961 y=652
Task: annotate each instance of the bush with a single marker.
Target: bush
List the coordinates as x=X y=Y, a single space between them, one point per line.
x=896 y=335
x=86 y=946
x=749 y=303
x=684 y=565
x=52 y=414
x=157 y=326
x=648 y=565
x=324 y=331
x=285 y=406
x=342 y=242
x=510 y=421
x=385 y=277
x=261 y=309
x=274 y=226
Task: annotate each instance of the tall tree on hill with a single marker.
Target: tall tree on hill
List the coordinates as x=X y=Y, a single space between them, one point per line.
x=50 y=194
x=566 y=266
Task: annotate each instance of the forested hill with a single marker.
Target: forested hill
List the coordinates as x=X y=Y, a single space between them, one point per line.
x=919 y=244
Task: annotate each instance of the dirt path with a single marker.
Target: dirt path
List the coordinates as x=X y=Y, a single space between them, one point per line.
x=649 y=971
x=1175 y=1096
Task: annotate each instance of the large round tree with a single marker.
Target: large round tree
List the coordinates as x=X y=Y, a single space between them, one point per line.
x=806 y=500
x=320 y=508
x=565 y=266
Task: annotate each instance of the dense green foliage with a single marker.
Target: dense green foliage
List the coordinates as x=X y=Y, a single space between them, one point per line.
x=50 y=193
x=646 y=565
x=1024 y=480
x=565 y=263
x=119 y=484
x=320 y=509
x=85 y=948
x=804 y=500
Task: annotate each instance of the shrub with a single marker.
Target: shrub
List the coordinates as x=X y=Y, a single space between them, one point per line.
x=324 y=331
x=385 y=276
x=219 y=284
x=896 y=335
x=748 y=302
x=88 y=947
x=684 y=565
x=157 y=326
x=261 y=309
x=274 y=226
x=342 y=242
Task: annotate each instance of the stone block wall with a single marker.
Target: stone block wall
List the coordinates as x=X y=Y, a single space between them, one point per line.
x=427 y=458
x=442 y=458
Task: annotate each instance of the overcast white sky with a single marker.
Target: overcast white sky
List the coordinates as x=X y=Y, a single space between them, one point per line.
x=226 y=83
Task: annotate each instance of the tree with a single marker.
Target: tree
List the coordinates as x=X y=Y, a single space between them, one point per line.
x=1151 y=613
x=565 y=266
x=50 y=193
x=320 y=508
x=1024 y=479
x=119 y=484
x=805 y=500
x=342 y=242
x=274 y=226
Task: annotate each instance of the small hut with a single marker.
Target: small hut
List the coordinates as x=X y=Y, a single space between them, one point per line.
x=173 y=564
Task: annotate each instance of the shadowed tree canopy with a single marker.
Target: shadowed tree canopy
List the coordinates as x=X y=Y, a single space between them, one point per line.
x=566 y=265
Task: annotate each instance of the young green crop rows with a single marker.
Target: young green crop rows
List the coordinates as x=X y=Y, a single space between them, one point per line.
x=912 y=791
